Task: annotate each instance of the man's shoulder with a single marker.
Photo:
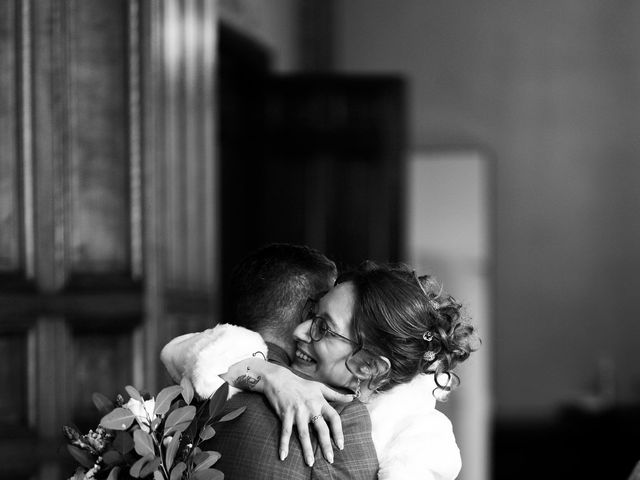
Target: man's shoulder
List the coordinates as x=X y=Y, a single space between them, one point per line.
x=355 y=412
x=249 y=444
x=358 y=459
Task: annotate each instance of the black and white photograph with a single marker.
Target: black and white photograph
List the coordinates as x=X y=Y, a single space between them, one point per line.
x=319 y=239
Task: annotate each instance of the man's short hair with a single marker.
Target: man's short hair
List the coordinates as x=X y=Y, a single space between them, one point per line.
x=270 y=286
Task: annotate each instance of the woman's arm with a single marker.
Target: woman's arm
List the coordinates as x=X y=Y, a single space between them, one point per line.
x=230 y=353
x=203 y=356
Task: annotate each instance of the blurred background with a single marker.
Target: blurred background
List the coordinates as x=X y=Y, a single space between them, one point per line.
x=148 y=145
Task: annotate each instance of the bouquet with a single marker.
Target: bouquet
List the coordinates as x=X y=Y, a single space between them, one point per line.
x=151 y=437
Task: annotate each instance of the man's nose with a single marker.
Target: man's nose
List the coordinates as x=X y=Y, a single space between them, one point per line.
x=301 y=332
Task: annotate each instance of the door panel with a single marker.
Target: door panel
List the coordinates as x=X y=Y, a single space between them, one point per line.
x=98 y=139
x=102 y=362
x=13 y=400
x=10 y=208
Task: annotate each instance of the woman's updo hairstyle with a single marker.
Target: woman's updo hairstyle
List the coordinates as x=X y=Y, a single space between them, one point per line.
x=409 y=320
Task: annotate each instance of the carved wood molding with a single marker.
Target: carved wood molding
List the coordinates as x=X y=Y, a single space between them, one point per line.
x=26 y=139
x=104 y=312
x=135 y=137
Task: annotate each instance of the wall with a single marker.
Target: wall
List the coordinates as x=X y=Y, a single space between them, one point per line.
x=552 y=89
x=458 y=183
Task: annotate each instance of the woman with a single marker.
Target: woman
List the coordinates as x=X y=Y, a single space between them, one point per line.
x=393 y=339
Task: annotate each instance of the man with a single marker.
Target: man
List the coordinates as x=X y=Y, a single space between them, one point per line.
x=270 y=289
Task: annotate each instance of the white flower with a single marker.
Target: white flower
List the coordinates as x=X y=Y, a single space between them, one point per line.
x=143 y=412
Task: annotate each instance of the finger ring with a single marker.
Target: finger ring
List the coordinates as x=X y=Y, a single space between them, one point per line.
x=315 y=417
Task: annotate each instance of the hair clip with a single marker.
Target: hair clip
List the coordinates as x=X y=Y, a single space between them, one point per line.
x=427 y=336
x=434 y=305
x=429 y=356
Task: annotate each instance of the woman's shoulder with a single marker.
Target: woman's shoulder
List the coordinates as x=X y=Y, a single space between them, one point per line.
x=421 y=445
x=409 y=408
x=415 y=396
x=412 y=437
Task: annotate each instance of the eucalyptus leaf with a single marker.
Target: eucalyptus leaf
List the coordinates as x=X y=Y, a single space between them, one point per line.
x=179 y=420
x=102 y=403
x=209 y=474
x=112 y=457
x=207 y=460
x=118 y=419
x=143 y=443
x=134 y=393
x=176 y=473
x=165 y=397
x=150 y=467
x=113 y=474
x=231 y=415
x=207 y=433
x=172 y=449
x=123 y=442
x=199 y=456
x=135 y=469
x=218 y=400
x=187 y=390
x=83 y=457
x=154 y=424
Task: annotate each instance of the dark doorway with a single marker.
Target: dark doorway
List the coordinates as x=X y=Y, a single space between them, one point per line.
x=314 y=159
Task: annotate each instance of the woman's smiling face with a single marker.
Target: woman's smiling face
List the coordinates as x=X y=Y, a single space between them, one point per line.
x=325 y=360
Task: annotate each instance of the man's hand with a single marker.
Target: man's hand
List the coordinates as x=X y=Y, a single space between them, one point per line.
x=300 y=402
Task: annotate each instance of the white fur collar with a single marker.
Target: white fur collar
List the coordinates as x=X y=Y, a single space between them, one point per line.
x=412 y=438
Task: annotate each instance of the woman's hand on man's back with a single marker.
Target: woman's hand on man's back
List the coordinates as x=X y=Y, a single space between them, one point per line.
x=301 y=402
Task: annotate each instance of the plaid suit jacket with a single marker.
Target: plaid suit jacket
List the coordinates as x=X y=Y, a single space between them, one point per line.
x=249 y=444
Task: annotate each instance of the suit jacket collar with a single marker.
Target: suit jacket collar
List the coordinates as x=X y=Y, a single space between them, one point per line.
x=278 y=355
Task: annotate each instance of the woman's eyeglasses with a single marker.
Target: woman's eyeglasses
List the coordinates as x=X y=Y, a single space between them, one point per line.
x=319 y=325
x=320 y=328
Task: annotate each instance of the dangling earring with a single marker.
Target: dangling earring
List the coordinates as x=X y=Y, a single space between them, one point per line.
x=357 y=392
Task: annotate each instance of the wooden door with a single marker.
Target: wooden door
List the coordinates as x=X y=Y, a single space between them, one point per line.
x=107 y=245
x=71 y=262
